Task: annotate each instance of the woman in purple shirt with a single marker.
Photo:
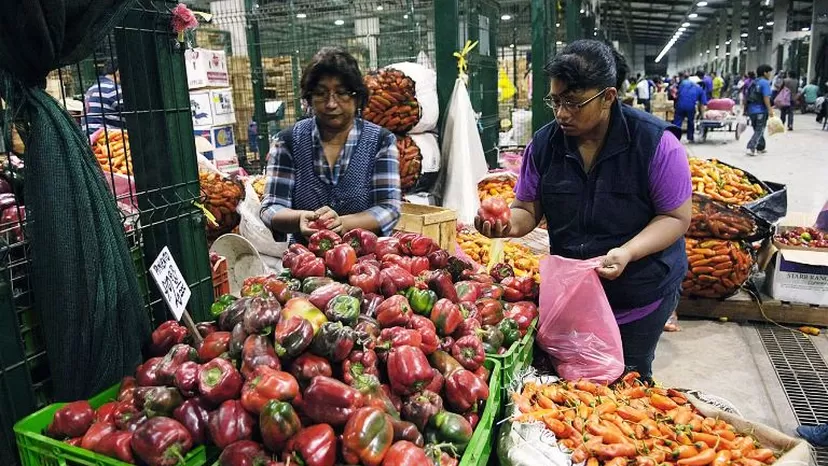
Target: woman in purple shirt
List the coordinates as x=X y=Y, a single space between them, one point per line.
x=612 y=182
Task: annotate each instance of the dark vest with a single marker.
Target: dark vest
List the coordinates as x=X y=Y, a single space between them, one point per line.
x=590 y=213
x=353 y=193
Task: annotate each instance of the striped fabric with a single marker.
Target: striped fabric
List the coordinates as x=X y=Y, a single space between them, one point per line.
x=365 y=178
x=103 y=102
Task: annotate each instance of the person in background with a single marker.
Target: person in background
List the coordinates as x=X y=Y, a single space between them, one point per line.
x=749 y=78
x=689 y=97
x=103 y=101
x=777 y=83
x=717 y=85
x=759 y=108
x=792 y=84
x=642 y=91
x=613 y=183
x=672 y=89
x=696 y=78
x=334 y=168
x=707 y=85
x=810 y=94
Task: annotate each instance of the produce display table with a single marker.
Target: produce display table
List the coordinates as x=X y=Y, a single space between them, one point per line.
x=742 y=307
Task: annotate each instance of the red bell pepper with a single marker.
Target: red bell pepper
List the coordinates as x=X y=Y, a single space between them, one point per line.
x=367 y=437
x=387 y=246
x=75 y=442
x=438 y=259
x=393 y=312
x=430 y=341
x=523 y=286
x=364 y=242
x=116 y=445
x=213 y=346
x=456 y=266
x=292 y=336
x=243 y=453
x=440 y=282
x=470 y=326
x=267 y=384
x=312 y=446
x=230 y=423
x=167 y=335
x=193 y=415
x=404 y=453
x=444 y=362
x=418 y=265
x=322 y=241
x=71 y=420
x=446 y=317
x=177 y=355
x=106 y=412
x=491 y=311
x=482 y=373
x=308 y=266
x=370 y=304
x=469 y=311
x=334 y=341
x=500 y=271
x=302 y=307
x=359 y=363
x=261 y=315
x=468 y=291
x=95 y=433
x=436 y=384
x=330 y=401
x=400 y=261
x=127 y=389
x=394 y=337
x=292 y=254
x=185 y=378
x=219 y=381
x=161 y=441
x=237 y=338
x=258 y=352
x=278 y=422
x=468 y=351
x=524 y=313
x=324 y=294
x=127 y=416
x=492 y=291
x=395 y=279
x=418 y=322
x=158 y=401
x=146 y=375
x=419 y=245
x=404 y=430
x=233 y=314
x=464 y=390
x=340 y=259
x=420 y=407
x=408 y=370
x=206 y=328
x=307 y=366
x=446 y=344
x=472 y=417
x=366 y=277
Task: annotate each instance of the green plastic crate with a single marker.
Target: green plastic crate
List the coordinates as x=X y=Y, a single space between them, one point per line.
x=518 y=357
x=482 y=442
x=38 y=450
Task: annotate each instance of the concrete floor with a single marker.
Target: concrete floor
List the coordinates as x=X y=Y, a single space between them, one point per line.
x=728 y=359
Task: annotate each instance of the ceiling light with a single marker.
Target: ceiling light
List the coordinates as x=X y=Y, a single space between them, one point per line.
x=301 y=15
x=557 y=25
x=693 y=15
x=727 y=53
x=339 y=22
x=558 y=43
x=506 y=17
x=707 y=51
x=744 y=34
x=682 y=29
x=511 y=46
x=583 y=11
x=379 y=8
x=760 y=28
x=728 y=42
x=684 y=25
x=405 y=16
x=769 y=23
x=805 y=29
x=700 y=4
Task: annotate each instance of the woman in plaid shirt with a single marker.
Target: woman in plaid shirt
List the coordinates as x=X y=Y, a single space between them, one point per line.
x=335 y=167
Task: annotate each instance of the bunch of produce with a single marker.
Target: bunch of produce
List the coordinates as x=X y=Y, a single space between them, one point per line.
x=411 y=162
x=500 y=186
x=633 y=422
x=803 y=237
x=259 y=183
x=364 y=351
x=112 y=151
x=220 y=196
x=716 y=268
x=723 y=182
x=392 y=101
x=12 y=215
x=523 y=261
x=712 y=219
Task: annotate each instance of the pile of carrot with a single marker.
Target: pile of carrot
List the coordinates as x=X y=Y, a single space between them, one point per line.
x=633 y=423
x=112 y=152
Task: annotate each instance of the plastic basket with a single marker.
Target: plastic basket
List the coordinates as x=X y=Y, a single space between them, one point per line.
x=221 y=278
x=38 y=450
x=518 y=357
x=482 y=442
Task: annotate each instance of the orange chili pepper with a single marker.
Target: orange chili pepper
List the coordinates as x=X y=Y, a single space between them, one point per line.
x=631 y=414
x=615 y=450
x=587 y=386
x=662 y=402
x=685 y=451
x=702 y=459
x=762 y=454
x=722 y=458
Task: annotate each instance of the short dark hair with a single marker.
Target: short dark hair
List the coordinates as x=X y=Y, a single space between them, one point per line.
x=762 y=69
x=586 y=64
x=751 y=75
x=792 y=74
x=110 y=66
x=334 y=62
x=700 y=74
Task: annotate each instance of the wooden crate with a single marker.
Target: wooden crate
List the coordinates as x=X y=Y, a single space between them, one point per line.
x=741 y=307
x=436 y=223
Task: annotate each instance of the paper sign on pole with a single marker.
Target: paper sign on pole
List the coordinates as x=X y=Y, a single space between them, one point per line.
x=168 y=277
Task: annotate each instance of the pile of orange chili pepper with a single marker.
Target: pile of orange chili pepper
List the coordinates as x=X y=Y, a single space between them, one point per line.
x=631 y=422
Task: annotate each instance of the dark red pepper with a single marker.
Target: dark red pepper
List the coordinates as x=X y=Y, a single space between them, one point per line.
x=294 y=251
x=430 y=341
x=482 y=373
x=421 y=246
x=364 y=242
x=420 y=407
x=116 y=445
x=387 y=246
x=524 y=313
x=394 y=311
x=71 y=420
x=500 y=271
x=185 y=378
x=219 y=381
x=213 y=346
x=261 y=315
x=359 y=363
x=167 y=335
x=469 y=311
x=158 y=401
x=321 y=242
x=106 y=412
x=95 y=433
x=308 y=266
x=469 y=326
x=237 y=338
x=491 y=311
x=258 y=352
x=438 y=259
x=400 y=261
x=206 y=328
x=395 y=279
x=312 y=446
x=404 y=453
x=324 y=294
x=267 y=384
x=492 y=291
x=408 y=370
x=243 y=453
x=230 y=423
x=370 y=304
x=404 y=430
x=440 y=282
x=468 y=351
x=292 y=336
x=161 y=441
x=418 y=265
x=473 y=418
x=395 y=337
x=126 y=391
x=436 y=384
x=330 y=401
x=127 y=417
x=177 y=355
x=365 y=276
x=146 y=375
x=468 y=291
x=308 y=366
x=340 y=259
x=464 y=390
x=444 y=362
x=278 y=422
x=446 y=317
x=194 y=415
x=333 y=341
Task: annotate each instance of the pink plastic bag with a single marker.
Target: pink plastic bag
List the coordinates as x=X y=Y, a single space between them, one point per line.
x=576 y=326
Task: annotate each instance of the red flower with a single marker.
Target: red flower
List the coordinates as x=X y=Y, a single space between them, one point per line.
x=183 y=19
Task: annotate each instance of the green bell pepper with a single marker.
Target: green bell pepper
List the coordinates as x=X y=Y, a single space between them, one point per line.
x=221 y=304
x=343 y=308
x=422 y=301
x=510 y=330
x=451 y=428
x=492 y=338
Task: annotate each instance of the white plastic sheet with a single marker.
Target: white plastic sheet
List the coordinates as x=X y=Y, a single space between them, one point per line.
x=425 y=85
x=254 y=230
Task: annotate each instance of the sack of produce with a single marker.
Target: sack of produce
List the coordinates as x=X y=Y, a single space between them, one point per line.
x=392 y=101
x=425 y=85
x=714 y=219
x=251 y=226
x=721 y=104
x=577 y=327
x=524 y=261
x=775 y=126
x=111 y=149
x=630 y=422
x=498 y=183
x=716 y=115
x=716 y=268
x=430 y=160
x=220 y=196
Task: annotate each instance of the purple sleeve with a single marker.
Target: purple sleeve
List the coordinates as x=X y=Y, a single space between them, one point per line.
x=526 y=189
x=670 y=184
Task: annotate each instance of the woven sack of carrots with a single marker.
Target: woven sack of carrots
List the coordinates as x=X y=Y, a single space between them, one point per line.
x=220 y=195
x=392 y=100
x=716 y=268
x=632 y=422
x=716 y=219
x=111 y=149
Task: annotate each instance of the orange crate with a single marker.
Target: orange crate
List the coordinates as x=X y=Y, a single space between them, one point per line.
x=221 y=279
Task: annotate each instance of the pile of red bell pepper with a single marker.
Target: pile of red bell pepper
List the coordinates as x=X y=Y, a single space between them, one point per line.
x=379 y=365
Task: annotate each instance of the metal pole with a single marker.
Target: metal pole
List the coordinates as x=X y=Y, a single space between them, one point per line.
x=543 y=47
x=446 y=23
x=257 y=78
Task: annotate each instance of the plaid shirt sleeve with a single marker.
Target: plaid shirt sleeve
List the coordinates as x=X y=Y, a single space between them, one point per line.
x=279 y=185
x=387 y=193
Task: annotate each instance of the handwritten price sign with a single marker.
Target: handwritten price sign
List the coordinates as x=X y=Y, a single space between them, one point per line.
x=168 y=277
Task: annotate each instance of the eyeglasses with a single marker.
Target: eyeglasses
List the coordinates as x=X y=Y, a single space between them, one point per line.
x=571 y=107
x=323 y=96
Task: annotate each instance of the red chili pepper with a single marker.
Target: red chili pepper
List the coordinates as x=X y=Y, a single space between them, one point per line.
x=161 y=441
x=464 y=390
x=71 y=420
x=366 y=277
x=446 y=317
x=167 y=335
x=364 y=242
x=219 y=381
x=394 y=311
x=408 y=370
x=321 y=242
x=230 y=423
x=312 y=446
x=330 y=401
x=266 y=384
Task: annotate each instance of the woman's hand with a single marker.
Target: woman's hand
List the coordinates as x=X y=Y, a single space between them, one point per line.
x=496 y=230
x=328 y=217
x=306 y=217
x=614 y=263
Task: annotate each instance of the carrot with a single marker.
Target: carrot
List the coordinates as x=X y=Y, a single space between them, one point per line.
x=631 y=414
x=609 y=435
x=560 y=429
x=607 y=407
x=546 y=403
x=587 y=386
x=615 y=450
x=702 y=459
x=712 y=441
x=685 y=451
x=662 y=402
x=634 y=393
x=762 y=454
x=725 y=434
x=579 y=454
x=722 y=458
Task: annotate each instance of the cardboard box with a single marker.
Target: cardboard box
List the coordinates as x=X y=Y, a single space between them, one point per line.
x=224 y=143
x=206 y=68
x=212 y=107
x=798 y=274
